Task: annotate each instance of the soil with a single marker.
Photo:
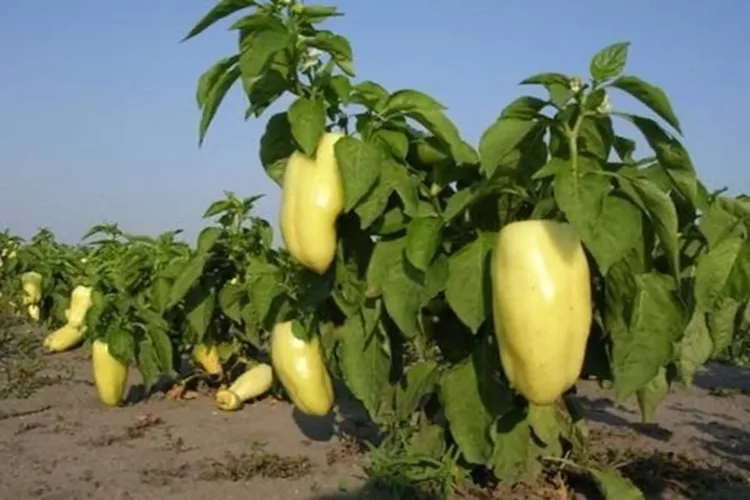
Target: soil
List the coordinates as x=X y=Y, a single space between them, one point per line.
x=58 y=442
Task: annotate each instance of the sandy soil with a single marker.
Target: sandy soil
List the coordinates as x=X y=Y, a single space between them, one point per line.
x=60 y=443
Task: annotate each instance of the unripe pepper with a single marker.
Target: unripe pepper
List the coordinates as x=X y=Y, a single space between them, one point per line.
x=253 y=383
x=312 y=199
x=300 y=368
x=542 y=307
x=208 y=357
x=110 y=374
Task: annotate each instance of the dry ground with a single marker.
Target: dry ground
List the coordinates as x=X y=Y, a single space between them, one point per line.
x=58 y=442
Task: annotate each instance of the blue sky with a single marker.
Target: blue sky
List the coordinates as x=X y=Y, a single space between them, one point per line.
x=98 y=120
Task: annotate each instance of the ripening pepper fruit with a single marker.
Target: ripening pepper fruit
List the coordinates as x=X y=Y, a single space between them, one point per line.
x=31 y=285
x=312 y=199
x=64 y=338
x=300 y=368
x=541 y=306
x=253 y=383
x=110 y=374
x=208 y=357
x=80 y=303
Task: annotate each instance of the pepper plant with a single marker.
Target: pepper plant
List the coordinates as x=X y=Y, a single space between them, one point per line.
x=405 y=309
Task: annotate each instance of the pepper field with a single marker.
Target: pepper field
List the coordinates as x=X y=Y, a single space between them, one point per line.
x=384 y=349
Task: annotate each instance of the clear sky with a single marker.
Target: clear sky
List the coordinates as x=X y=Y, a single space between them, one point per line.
x=98 y=120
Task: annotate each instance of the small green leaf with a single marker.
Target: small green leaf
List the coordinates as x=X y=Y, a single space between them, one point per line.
x=617 y=229
x=221 y=10
x=148 y=363
x=651 y=96
x=364 y=361
x=524 y=108
x=423 y=237
x=499 y=139
x=276 y=145
x=546 y=79
x=120 y=344
x=614 y=486
x=469 y=289
x=360 y=164
x=231 y=301
x=652 y=394
x=738 y=282
x=210 y=77
x=409 y=100
x=657 y=321
x=307 y=121
x=418 y=381
x=339 y=48
x=437 y=123
x=713 y=271
x=581 y=198
x=200 y=310
x=722 y=323
x=207 y=239
x=162 y=348
x=663 y=215
x=467 y=416
x=189 y=276
x=214 y=99
x=696 y=347
x=257 y=51
x=393 y=141
x=512 y=445
x=544 y=423
x=610 y=61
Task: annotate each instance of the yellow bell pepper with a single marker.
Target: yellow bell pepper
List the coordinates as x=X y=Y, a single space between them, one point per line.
x=251 y=384
x=64 y=338
x=80 y=303
x=34 y=312
x=208 y=357
x=31 y=284
x=312 y=199
x=110 y=374
x=542 y=307
x=300 y=368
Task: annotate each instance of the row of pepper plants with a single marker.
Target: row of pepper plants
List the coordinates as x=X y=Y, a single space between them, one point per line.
x=458 y=292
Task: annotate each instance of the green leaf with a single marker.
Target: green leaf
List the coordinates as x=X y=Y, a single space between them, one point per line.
x=199 y=313
x=467 y=416
x=469 y=290
x=276 y=145
x=722 y=323
x=652 y=394
x=221 y=10
x=393 y=141
x=185 y=281
x=738 y=282
x=614 y=486
x=120 y=344
x=423 y=237
x=610 y=61
x=409 y=100
x=657 y=321
x=231 y=298
x=389 y=272
x=663 y=215
x=651 y=96
x=207 y=238
x=524 y=108
x=148 y=364
x=257 y=51
x=160 y=290
x=437 y=123
x=210 y=77
x=512 y=444
x=718 y=223
x=162 y=348
x=713 y=271
x=581 y=198
x=360 y=164
x=546 y=79
x=214 y=99
x=672 y=156
x=307 y=121
x=544 y=423
x=364 y=361
x=418 y=381
x=336 y=45
x=696 y=347
x=499 y=139
x=617 y=229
